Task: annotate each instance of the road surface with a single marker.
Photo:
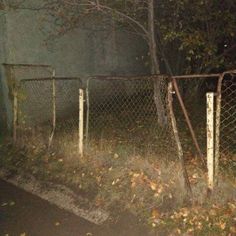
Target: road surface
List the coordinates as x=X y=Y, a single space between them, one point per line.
x=22 y=214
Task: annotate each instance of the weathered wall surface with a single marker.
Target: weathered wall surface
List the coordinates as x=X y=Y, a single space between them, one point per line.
x=3 y=86
x=79 y=53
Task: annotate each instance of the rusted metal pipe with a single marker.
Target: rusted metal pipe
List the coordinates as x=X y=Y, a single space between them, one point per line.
x=26 y=65
x=218 y=120
x=177 y=139
x=176 y=87
x=196 y=76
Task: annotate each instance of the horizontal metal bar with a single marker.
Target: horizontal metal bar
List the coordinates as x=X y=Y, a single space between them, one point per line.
x=121 y=77
x=51 y=78
x=230 y=72
x=162 y=76
x=196 y=76
x=26 y=65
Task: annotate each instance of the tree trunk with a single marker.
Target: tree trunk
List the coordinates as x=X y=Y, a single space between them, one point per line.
x=155 y=69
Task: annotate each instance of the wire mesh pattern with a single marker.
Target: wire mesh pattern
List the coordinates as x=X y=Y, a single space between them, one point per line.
x=34 y=103
x=16 y=73
x=45 y=107
x=193 y=92
x=67 y=114
x=123 y=115
x=228 y=118
x=39 y=100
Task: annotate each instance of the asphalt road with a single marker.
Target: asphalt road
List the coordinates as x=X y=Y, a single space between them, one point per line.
x=22 y=214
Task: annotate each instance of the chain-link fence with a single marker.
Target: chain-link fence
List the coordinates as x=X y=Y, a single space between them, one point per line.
x=122 y=115
x=193 y=91
x=227 y=121
x=15 y=73
x=45 y=108
x=3 y=116
x=34 y=111
x=49 y=106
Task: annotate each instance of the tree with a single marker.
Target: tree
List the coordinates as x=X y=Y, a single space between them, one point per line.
x=137 y=16
x=182 y=36
x=197 y=36
x=191 y=37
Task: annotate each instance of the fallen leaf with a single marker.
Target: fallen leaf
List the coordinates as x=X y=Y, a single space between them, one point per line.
x=57 y=223
x=212 y=212
x=155 y=214
x=222 y=225
x=232 y=229
x=116 y=156
x=12 y=203
x=153 y=186
x=154 y=225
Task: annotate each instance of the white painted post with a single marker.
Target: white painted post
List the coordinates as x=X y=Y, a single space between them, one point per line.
x=210 y=140
x=81 y=122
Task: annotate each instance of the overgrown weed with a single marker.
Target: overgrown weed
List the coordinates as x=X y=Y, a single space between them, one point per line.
x=115 y=177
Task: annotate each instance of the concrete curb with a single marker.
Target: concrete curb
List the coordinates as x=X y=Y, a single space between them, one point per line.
x=58 y=195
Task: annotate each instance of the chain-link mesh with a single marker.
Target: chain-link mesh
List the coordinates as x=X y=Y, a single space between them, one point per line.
x=228 y=121
x=3 y=116
x=35 y=110
x=67 y=114
x=15 y=73
x=123 y=116
x=39 y=100
x=123 y=113
x=193 y=93
x=47 y=107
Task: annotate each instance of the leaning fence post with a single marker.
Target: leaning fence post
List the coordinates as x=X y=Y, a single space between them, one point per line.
x=210 y=140
x=81 y=121
x=218 y=121
x=87 y=112
x=177 y=139
x=185 y=113
x=53 y=111
x=15 y=114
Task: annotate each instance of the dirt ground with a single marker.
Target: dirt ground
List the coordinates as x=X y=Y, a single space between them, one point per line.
x=22 y=214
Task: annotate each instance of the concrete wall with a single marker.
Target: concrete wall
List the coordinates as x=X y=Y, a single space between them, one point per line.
x=4 y=103
x=81 y=52
x=78 y=53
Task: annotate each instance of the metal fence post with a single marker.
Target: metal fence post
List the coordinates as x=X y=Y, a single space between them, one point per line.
x=53 y=112
x=15 y=115
x=177 y=139
x=210 y=139
x=218 y=121
x=87 y=113
x=81 y=121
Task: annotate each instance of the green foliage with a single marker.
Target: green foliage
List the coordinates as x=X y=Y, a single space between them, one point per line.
x=202 y=34
x=193 y=37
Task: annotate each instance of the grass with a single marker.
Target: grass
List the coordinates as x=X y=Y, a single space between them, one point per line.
x=1 y=137
x=118 y=179
x=132 y=168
